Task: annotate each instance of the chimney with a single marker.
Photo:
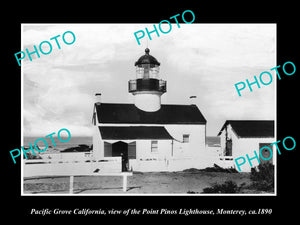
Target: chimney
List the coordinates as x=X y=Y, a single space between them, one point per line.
x=193 y=99
x=98 y=98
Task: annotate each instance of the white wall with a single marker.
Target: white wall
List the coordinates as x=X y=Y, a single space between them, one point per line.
x=243 y=146
x=149 y=102
x=98 y=148
x=183 y=156
x=44 y=168
x=143 y=149
x=67 y=156
x=196 y=145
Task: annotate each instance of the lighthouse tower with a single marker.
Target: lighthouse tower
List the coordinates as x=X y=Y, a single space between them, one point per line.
x=147 y=88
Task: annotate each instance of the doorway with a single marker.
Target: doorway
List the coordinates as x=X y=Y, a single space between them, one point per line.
x=120 y=149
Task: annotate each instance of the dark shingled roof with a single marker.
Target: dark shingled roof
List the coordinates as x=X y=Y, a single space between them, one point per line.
x=132 y=133
x=167 y=114
x=251 y=128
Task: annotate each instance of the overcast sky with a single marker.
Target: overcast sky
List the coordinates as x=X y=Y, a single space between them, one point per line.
x=205 y=60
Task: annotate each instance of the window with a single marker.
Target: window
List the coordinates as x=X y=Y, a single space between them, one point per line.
x=186 y=138
x=154 y=146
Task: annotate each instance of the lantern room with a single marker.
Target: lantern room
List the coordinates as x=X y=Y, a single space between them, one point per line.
x=147 y=87
x=147 y=66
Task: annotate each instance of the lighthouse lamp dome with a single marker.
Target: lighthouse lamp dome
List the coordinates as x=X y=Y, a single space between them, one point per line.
x=147 y=66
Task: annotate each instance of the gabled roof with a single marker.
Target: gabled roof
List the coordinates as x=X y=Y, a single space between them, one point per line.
x=133 y=133
x=167 y=114
x=251 y=128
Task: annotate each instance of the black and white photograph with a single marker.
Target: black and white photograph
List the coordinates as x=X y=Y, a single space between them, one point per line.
x=182 y=113
x=149 y=111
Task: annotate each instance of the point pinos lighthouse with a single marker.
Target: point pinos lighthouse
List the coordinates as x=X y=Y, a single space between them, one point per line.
x=148 y=135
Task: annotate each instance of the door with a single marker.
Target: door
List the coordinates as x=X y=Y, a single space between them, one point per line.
x=228 y=150
x=121 y=149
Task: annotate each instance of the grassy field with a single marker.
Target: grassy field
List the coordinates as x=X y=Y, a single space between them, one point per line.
x=139 y=183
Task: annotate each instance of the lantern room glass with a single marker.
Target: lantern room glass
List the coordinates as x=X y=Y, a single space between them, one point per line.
x=146 y=71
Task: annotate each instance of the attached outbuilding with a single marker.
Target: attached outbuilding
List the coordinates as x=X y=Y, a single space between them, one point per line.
x=241 y=137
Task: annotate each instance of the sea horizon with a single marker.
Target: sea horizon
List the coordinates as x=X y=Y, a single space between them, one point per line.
x=73 y=142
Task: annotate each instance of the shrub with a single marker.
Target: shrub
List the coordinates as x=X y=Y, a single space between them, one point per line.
x=215 y=168
x=31 y=156
x=227 y=187
x=79 y=148
x=192 y=192
x=262 y=177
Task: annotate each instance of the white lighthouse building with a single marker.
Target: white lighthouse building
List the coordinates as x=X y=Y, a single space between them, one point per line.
x=150 y=136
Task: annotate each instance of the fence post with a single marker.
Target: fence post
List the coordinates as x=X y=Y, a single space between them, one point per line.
x=71 y=184
x=124 y=182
